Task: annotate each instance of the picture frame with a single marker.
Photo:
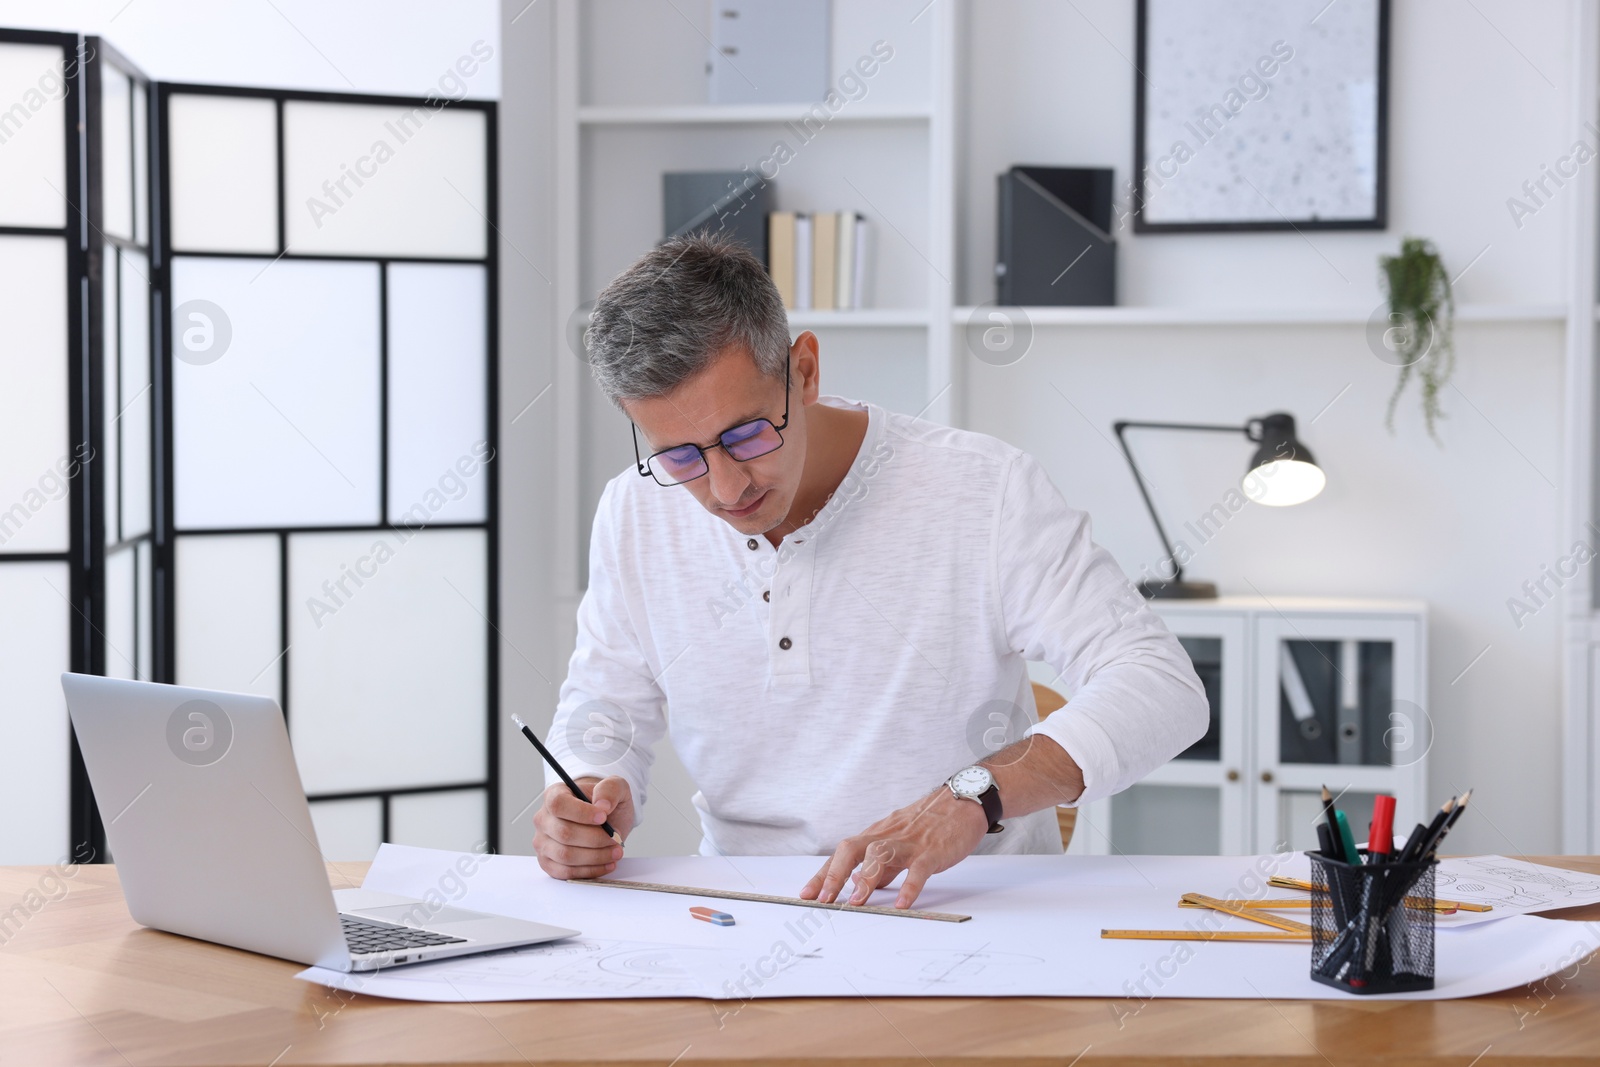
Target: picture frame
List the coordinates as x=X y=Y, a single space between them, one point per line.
x=1231 y=134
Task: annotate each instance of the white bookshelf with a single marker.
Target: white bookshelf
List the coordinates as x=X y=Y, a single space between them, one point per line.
x=631 y=104
x=858 y=319
x=1128 y=315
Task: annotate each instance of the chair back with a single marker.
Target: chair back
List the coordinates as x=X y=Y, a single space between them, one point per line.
x=1046 y=701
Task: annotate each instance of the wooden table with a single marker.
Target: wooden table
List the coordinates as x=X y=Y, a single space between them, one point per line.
x=81 y=983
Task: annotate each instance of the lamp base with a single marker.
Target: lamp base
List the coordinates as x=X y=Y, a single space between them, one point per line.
x=1178 y=590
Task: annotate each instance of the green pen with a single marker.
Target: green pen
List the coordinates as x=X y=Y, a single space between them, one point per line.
x=1347 y=840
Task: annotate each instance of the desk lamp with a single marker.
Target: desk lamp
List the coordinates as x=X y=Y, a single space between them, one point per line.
x=1281 y=473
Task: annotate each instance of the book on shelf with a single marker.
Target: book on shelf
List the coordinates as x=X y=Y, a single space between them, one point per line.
x=802 y=261
x=818 y=259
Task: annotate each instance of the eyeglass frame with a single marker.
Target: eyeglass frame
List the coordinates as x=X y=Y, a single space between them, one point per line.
x=643 y=465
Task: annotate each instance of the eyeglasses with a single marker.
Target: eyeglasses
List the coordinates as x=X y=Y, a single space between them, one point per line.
x=746 y=441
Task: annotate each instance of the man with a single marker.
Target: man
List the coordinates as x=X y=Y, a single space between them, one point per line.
x=831 y=601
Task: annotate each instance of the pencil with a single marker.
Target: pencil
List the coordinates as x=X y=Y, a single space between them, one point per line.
x=1461 y=806
x=565 y=777
x=1417 y=843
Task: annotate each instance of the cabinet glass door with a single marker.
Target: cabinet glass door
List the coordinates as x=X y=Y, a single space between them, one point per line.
x=1193 y=805
x=1337 y=706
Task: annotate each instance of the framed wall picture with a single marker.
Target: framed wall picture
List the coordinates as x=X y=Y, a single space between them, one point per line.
x=1261 y=115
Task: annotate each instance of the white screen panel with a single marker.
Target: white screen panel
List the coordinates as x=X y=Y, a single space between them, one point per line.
x=228 y=628
x=109 y=460
x=348 y=829
x=437 y=396
x=138 y=397
x=120 y=631
x=282 y=427
x=144 y=618
x=34 y=651
x=35 y=455
x=116 y=152
x=141 y=165
x=384 y=180
x=33 y=178
x=223 y=163
x=456 y=820
x=387 y=669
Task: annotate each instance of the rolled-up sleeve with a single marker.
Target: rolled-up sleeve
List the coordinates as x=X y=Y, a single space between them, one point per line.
x=611 y=712
x=1134 y=701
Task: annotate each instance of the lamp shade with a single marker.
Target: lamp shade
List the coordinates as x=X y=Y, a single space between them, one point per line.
x=1282 y=472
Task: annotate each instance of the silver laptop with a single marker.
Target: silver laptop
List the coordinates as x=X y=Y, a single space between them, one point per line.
x=209 y=827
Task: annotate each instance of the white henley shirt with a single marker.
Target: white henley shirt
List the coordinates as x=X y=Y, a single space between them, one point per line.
x=812 y=688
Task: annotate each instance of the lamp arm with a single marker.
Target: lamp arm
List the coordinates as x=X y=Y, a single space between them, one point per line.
x=1138 y=479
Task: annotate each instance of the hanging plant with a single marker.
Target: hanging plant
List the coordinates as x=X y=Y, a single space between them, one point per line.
x=1422 y=312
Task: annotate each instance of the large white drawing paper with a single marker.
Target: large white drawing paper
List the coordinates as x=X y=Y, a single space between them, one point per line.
x=1035 y=931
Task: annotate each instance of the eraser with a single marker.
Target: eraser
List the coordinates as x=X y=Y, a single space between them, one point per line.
x=711 y=915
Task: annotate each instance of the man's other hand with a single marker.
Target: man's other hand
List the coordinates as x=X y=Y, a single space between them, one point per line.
x=933 y=834
x=566 y=831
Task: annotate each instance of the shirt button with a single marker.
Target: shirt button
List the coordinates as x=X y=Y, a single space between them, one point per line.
x=785 y=644
x=751 y=544
x=766 y=594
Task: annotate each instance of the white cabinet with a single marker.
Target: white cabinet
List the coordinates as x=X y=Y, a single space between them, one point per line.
x=1304 y=692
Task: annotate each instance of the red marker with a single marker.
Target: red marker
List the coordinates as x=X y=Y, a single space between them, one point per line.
x=1380 y=836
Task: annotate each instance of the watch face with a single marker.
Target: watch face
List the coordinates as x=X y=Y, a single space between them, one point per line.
x=972 y=782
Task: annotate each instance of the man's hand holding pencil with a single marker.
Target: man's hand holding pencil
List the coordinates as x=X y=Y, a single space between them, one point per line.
x=568 y=833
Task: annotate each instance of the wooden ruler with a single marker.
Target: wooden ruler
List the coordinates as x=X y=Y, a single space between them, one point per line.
x=1295 y=904
x=1201 y=935
x=1253 y=914
x=1439 y=904
x=734 y=894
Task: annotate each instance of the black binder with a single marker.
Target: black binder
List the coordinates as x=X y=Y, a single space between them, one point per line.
x=1056 y=246
x=732 y=202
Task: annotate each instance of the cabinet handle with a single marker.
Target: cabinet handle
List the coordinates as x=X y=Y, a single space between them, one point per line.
x=1233 y=775
x=1266 y=776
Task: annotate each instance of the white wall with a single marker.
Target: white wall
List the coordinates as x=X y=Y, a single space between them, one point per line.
x=1469 y=121
x=1472 y=115
x=350 y=46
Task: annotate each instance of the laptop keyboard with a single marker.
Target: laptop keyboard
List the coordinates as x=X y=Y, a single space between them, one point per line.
x=364 y=937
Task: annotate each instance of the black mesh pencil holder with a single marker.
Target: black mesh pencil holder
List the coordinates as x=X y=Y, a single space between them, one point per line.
x=1372 y=925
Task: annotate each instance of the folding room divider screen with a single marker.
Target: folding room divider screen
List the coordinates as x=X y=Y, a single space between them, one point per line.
x=46 y=440
x=297 y=495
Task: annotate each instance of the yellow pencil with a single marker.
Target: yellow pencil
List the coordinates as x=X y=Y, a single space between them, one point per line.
x=1202 y=935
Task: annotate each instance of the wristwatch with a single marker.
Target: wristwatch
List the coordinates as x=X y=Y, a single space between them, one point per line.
x=975 y=783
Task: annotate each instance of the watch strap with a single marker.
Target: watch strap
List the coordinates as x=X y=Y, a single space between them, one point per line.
x=990 y=799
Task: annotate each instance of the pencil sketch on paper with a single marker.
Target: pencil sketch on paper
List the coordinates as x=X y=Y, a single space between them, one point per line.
x=599 y=966
x=1513 y=885
x=933 y=967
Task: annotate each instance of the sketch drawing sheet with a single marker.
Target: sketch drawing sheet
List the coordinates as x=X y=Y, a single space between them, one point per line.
x=1511 y=887
x=574 y=969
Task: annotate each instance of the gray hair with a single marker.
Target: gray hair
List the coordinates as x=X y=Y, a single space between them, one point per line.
x=666 y=317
